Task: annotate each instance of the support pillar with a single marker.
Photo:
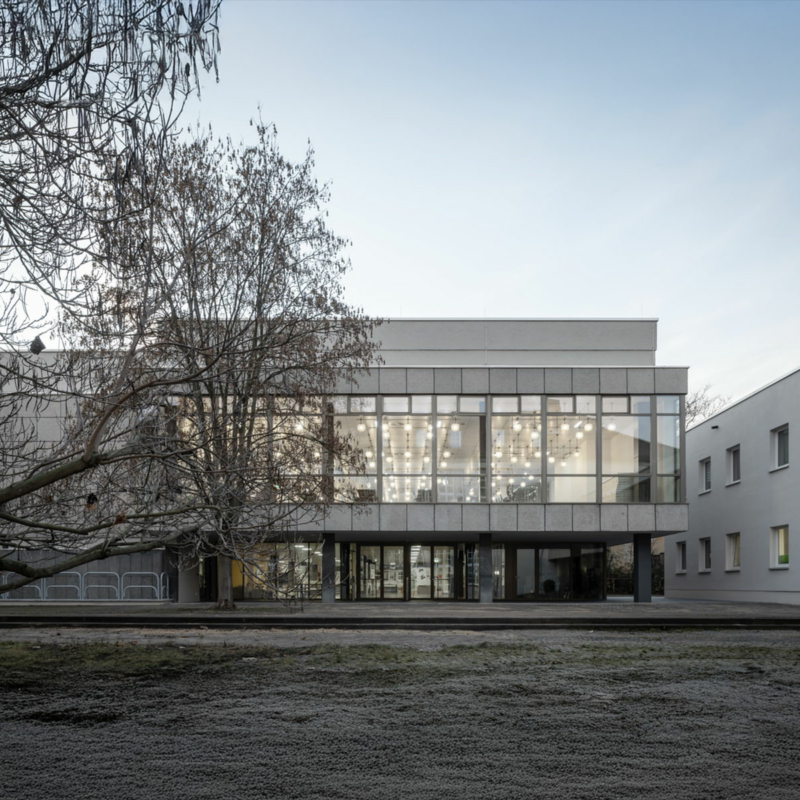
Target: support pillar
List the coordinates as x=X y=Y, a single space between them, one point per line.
x=642 y=568
x=487 y=582
x=328 y=567
x=189 y=585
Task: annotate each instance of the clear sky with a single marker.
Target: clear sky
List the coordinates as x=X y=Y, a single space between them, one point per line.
x=536 y=159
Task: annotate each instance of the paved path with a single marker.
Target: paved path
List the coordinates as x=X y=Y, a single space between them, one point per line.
x=420 y=616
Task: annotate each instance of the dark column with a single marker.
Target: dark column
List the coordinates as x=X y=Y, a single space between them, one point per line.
x=485 y=540
x=642 y=568
x=328 y=567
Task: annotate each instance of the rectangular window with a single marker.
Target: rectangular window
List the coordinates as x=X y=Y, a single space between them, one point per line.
x=733 y=552
x=734 y=465
x=704 y=564
x=780 y=547
x=705 y=475
x=680 y=557
x=780 y=447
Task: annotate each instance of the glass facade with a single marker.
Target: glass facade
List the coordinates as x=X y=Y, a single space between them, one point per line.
x=510 y=448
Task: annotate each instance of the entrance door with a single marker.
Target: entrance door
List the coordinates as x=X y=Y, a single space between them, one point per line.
x=381 y=572
x=526 y=573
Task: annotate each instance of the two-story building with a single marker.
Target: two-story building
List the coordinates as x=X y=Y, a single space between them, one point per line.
x=503 y=456
x=745 y=520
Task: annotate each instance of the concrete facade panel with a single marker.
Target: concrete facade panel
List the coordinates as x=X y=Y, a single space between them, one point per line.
x=503 y=517
x=672 y=380
x=393 y=381
x=447 y=381
x=586 y=381
x=558 y=518
x=393 y=517
x=448 y=517
x=475 y=381
x=419 y=381
x=475 y=518
x=613 y=381
x=339 y=518
x=641 y=518
x=672 y=518
x=613 y=518
x=366 y=383
x=503 y=381
x=585 y=518
x=557 y=381
x=420 y=517
x=366 y=517
x=530 y=381
x=641 y=381
x=530 y=518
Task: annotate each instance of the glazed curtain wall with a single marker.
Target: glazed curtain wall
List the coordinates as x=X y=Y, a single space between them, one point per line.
x=511 y=449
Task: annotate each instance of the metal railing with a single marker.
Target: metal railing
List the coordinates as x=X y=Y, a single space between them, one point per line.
x=151 y=586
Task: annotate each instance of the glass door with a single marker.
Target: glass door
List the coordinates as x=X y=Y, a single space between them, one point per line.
x=526 y=573
x=393 y=572
x=444 y=572
x=420 y=572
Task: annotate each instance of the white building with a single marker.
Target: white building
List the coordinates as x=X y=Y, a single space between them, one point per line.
x=744 y=496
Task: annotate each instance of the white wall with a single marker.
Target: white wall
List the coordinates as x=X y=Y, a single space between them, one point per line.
x=764 y=498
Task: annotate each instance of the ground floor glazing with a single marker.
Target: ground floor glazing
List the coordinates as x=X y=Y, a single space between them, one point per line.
x=406 y=571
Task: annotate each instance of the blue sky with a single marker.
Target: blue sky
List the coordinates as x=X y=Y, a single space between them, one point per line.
x=548 y=159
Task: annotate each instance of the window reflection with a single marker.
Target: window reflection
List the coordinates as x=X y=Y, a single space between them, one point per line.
x=626 y=444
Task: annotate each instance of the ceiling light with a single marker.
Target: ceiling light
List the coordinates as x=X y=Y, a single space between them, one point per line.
x=430 y=435
x=446 y=454
x=408 y=454
x=426 y=459
x=579 y=435
x=528 y=464
x=385 y=426
x=588 y=426
x=517 y=425
x=565 y=426
x=537 y=454
x=498 y=454
x=513 y=459
x=361 y=427
x=522 y=484
x=368 y=454
x=511 y=480
x=551 y=460
x=563 y=463
x=534 y=434
x=407 y=426
x=455 y=427
x=389 y=459
x=612 y=426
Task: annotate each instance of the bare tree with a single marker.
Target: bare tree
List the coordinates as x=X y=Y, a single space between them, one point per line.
x=82 y=80
x=701 y=404
x=200 y=384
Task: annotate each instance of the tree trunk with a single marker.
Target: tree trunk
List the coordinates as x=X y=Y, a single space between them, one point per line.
x=225 y=584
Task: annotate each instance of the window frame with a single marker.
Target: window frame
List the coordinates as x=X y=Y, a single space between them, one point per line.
x=733 y=464
x=774 y=548
x=704 y=555
x=705 y=475
x=775 y=448
x=733 y=544
x=680 y=558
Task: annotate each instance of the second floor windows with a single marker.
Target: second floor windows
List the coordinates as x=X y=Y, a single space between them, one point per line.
x=780 y=447
x=705 y=475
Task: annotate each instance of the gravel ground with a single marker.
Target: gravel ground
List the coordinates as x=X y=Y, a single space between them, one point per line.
x=399 y=714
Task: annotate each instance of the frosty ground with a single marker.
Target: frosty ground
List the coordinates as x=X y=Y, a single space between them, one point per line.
x=399 y=714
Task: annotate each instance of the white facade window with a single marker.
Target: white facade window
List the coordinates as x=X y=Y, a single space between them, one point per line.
x=733 y=552
x=680 y=557
x=734 y=464
x=779 y=547
x=704 y=564
x=779 y=447
x=705 y=475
